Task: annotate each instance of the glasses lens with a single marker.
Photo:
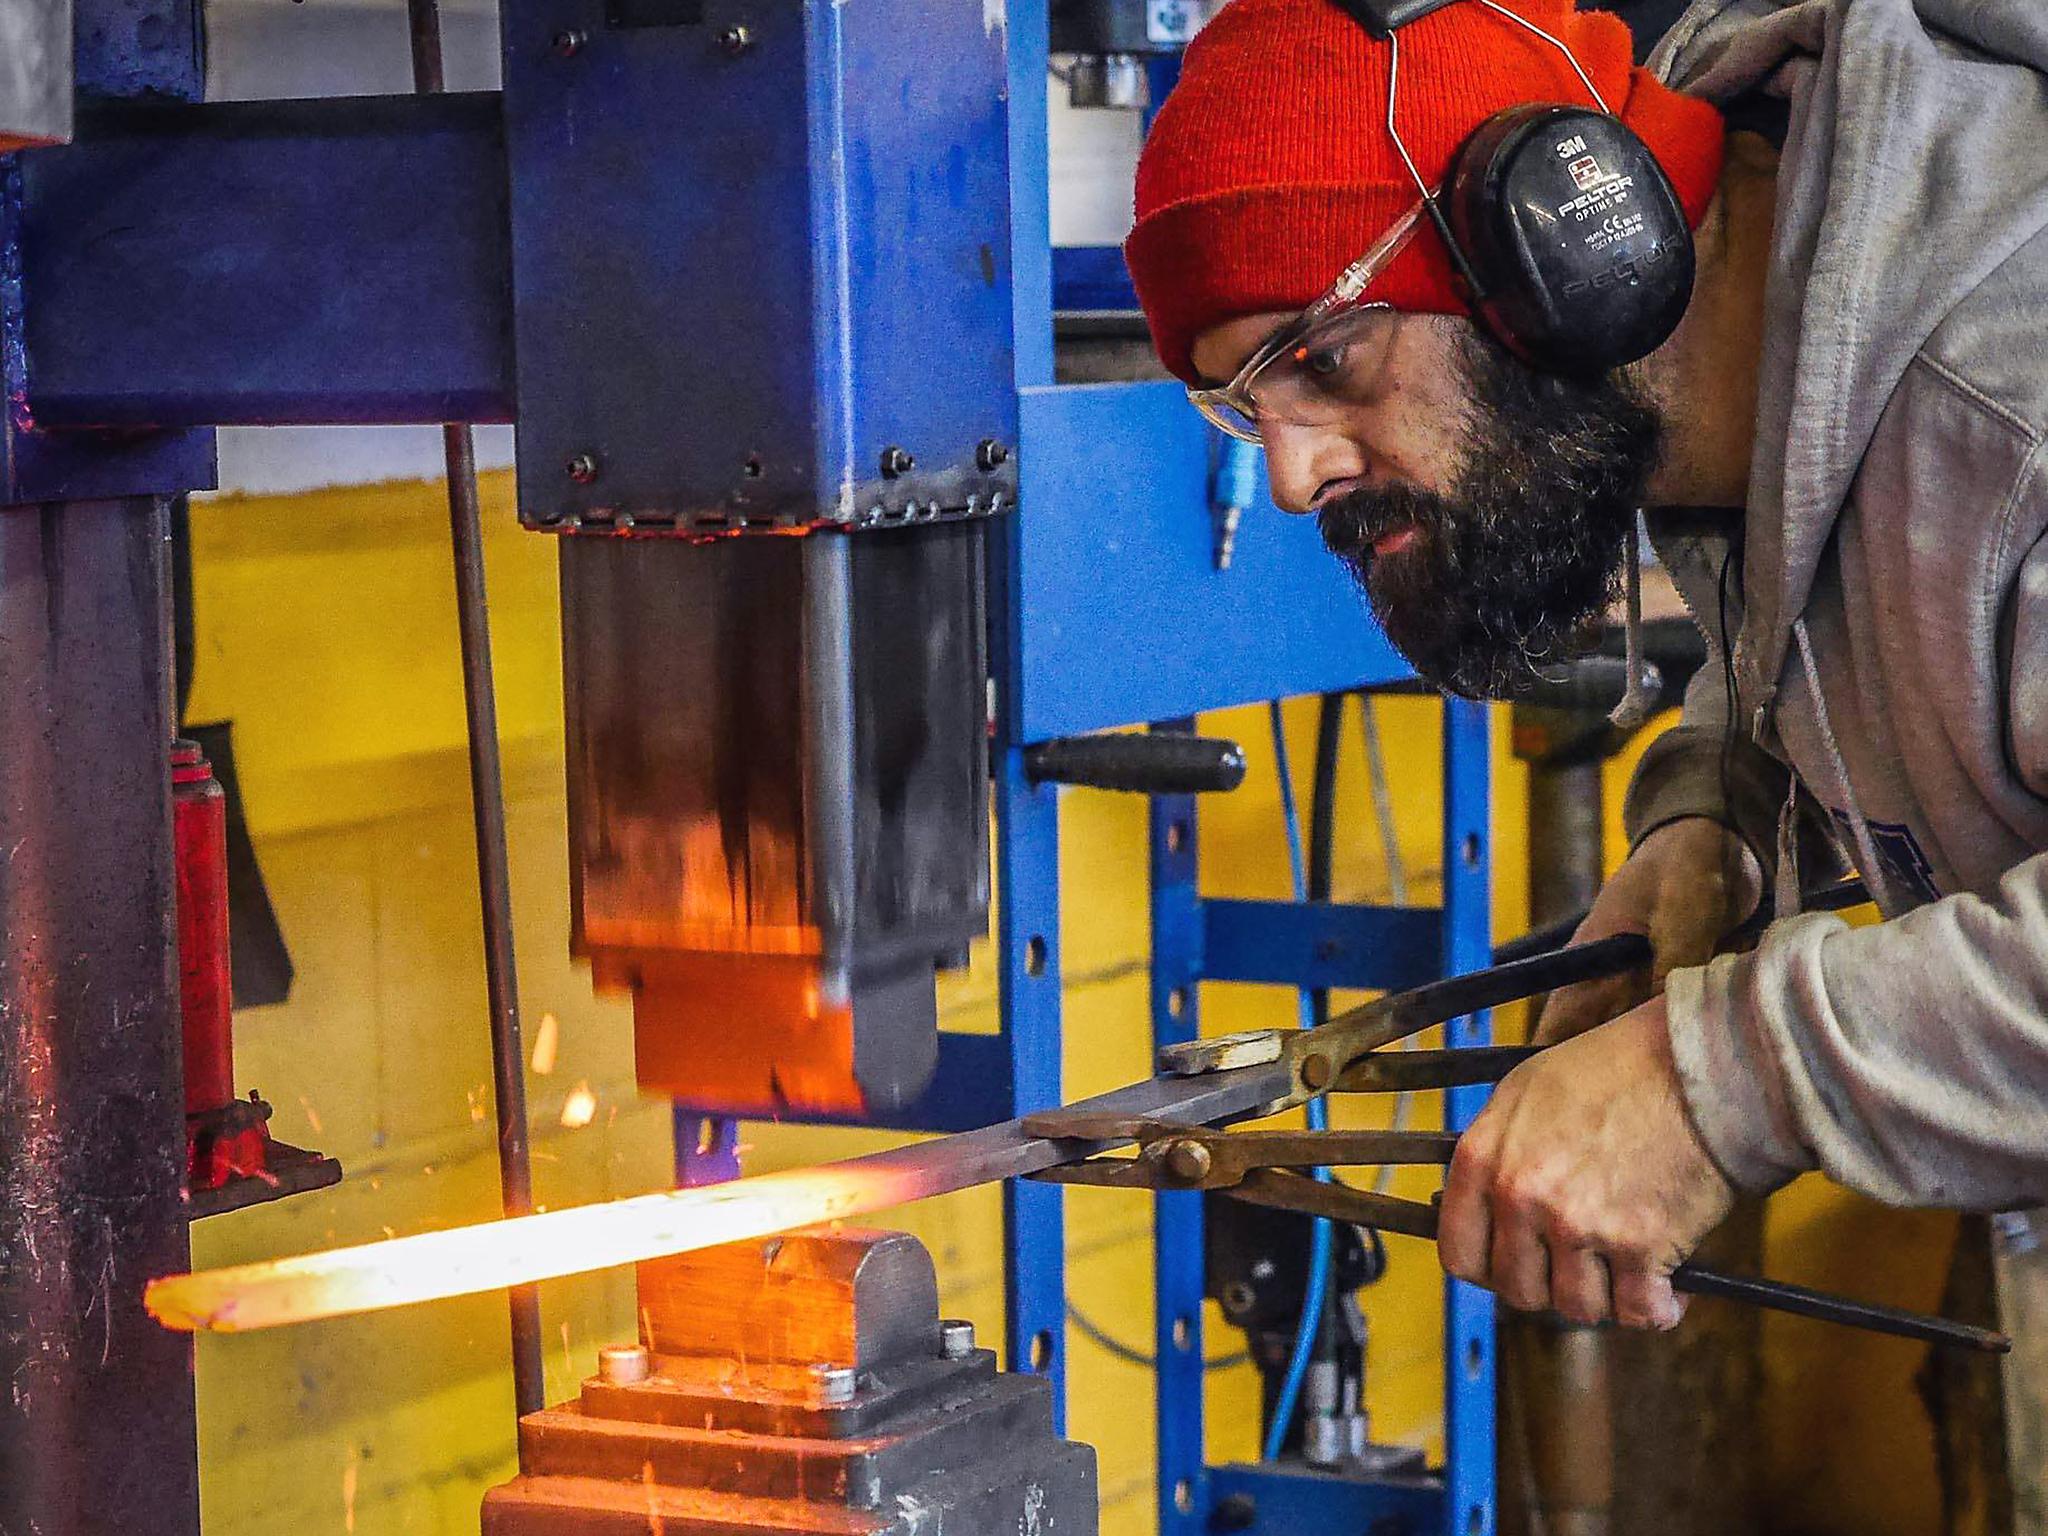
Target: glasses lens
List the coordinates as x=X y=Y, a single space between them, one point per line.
x=1225 y=415
x=1338 y=363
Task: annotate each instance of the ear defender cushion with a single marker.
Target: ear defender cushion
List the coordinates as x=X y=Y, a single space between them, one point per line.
x=1578 y=240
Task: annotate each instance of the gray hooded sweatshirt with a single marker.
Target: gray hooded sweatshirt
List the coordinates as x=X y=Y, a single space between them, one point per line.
x=1888 y=610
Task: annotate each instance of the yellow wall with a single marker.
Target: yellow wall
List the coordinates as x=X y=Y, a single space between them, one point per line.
x=326 y=633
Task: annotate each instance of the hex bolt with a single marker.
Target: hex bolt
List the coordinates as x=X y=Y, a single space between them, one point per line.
x=991 y=455
x=896 y=461
x=1188 y=1161
x=832 y=1386
x=735 y=40
x=582 y=468
x=956 y=1338
x=624 y=1365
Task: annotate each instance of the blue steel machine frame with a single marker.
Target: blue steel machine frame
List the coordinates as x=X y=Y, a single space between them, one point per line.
x=411 y=330
x=1127 y=469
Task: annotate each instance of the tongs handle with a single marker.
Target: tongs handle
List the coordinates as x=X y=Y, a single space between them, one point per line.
x=1414 y=1218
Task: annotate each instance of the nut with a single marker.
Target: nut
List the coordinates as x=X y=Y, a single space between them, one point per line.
x=832 y=1386
x=570 y=43
x=624 y=1365
x=582 y=468
x=956 y=1338
x=735 y=40
x=991 y=455
x=896 y=461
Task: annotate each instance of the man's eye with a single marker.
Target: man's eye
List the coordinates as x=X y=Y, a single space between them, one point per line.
x=1323 y=362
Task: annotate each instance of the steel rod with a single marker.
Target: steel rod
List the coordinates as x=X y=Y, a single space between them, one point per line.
x=464 y=1260
x=487 y=800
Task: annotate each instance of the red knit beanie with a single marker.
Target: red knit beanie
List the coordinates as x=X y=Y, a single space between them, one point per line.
x=1269 y=170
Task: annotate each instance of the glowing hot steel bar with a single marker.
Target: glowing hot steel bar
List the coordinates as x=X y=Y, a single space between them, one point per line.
x=491 y=1255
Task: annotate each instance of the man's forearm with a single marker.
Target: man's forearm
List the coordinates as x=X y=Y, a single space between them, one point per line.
x=1908 y=1060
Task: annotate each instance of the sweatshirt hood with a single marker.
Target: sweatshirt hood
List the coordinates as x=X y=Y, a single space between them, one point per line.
x=1916 y=164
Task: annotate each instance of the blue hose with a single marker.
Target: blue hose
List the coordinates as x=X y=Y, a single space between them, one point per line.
x=1316 y=1292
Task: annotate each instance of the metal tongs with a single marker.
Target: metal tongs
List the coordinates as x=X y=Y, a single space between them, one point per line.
x=1270 y=1167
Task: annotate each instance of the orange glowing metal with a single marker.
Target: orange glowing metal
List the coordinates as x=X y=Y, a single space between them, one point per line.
x=517 y=1251
x=523 y=1249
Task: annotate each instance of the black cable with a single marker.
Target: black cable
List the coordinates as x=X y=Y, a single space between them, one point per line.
x=1110 y=1344
x=1322 y=820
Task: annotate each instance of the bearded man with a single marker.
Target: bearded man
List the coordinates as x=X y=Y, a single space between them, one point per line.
x=1838 y=449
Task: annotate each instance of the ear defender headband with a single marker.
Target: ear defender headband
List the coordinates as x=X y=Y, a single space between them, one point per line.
x=1567 y=236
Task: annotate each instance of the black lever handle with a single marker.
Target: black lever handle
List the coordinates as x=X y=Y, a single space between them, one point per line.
x=1157 y=763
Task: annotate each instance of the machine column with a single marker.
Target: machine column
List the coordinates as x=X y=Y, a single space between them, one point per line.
x=97 y=1423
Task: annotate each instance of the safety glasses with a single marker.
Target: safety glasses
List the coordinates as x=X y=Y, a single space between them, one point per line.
x=1329 y=358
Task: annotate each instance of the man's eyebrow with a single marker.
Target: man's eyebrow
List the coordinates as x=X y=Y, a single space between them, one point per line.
x=1204 y=381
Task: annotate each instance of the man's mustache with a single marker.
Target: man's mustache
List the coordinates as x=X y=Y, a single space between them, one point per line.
x=1351 y=524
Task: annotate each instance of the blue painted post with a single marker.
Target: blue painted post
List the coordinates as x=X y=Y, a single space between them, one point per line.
x=1469 y=1508
x=1028 y=951
x=1177 y=1215
x=707 y=1148
x=1030 y=193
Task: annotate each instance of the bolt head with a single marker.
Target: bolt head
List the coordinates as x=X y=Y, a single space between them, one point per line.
x=991 y=455
x=735 y=40
x=624 y=1365
x=1238 y=1299
x=1316 y=1071
x=832 y=1386
x=896 y=461
x=570 y=43
x=956 y=1339
x=1189 y=1161
x=582 y=468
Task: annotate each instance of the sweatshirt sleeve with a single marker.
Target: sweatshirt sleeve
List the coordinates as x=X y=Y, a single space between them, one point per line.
x=1908 y=1060
x=1701 y=768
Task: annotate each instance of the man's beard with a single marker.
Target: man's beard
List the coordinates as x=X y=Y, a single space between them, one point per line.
x=1512 y=569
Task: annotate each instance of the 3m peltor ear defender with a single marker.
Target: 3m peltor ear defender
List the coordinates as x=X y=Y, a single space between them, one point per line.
x=1569 y=239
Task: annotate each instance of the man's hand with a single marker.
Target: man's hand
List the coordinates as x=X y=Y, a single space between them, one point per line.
x=1583 y=1185
x=1688 y=885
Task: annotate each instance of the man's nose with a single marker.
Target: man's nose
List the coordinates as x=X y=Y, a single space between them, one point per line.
x=1301 y=460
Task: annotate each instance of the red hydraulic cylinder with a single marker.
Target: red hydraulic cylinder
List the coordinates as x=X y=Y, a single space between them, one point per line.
x=225 y=1138
x=200 y=821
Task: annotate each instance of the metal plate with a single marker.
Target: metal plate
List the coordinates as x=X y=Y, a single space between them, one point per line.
x=296 y=275
x=1113 y=559
x=752 y=254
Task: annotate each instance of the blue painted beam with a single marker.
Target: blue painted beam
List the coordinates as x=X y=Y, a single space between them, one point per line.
x=1091 y=277
x=1318 y=945
x=254 y=263
x=1113 y=607
x=1470 y=1507
x=1177 y=1240
x=1286 y=1500
x=1028 y=950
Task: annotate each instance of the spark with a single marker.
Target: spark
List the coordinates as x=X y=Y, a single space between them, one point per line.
x=580 y=1108
x=547 y=1040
